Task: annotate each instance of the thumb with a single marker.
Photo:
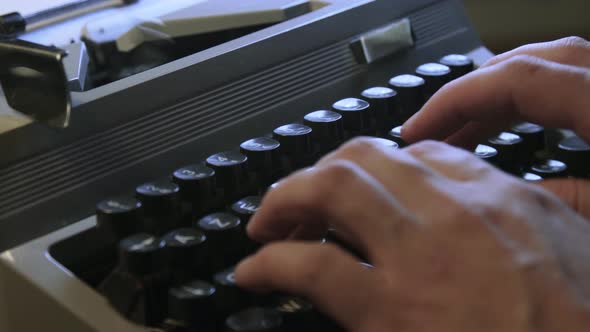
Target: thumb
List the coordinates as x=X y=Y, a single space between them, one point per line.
x=573 y=192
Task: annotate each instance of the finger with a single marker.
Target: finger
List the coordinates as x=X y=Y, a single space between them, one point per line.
x=476 y=132
x=339 y=194
x=523 y=88
x=407 y=179
x=449 y=161
x=333 y=280
x=573 y=51
x=573 y=192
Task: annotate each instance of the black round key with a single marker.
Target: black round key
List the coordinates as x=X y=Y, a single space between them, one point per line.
x=395 y=135
x=385 y=108
x=263 y=159
x=225 y=239
x=549 y=168
x=231 y=171
x=192 y=303
x=141 y=254
x=119 y=217
x=255 y=320
x=230 y=297
x=186 y=253
x=246 y=207
x=261 y=152
x=300 y=315
x=530 y=177
x=162 y=205
x=533 y=136
x=137 y=287
x=575 y=152
x=435 y=75
x=296 y=145
x=460 y=64
x=411 y=94
x=509 y=147
x=356 y=116
x=487 y=153
x=327 y=129
x=197 y=185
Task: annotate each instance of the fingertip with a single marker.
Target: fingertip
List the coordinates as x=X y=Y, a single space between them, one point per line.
x=243 y=271
x=407 y=130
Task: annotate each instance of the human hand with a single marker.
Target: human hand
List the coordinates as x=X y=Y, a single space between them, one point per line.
x=546 y=83
x=456 y=244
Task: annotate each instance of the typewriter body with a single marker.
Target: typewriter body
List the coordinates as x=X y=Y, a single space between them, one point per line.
x=145 y=126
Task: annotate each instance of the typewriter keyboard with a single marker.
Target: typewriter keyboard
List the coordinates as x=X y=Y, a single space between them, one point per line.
x=164 y=257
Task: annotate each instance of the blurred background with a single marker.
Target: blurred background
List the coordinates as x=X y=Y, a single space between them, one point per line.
x=505 y=24
x=502 y=24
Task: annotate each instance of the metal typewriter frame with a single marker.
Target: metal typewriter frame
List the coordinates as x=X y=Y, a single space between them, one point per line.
x=28 y=273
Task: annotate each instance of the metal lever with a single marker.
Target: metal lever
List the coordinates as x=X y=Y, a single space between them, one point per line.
x=34 y=81
x=14 y=24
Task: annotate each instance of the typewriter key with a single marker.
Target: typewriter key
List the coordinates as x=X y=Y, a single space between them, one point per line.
x=300 y=315
x=232 y=174
x=246 y=207
x=435 y=76
x=395 y=135
x=197 y=186
x=255 y=320
x=162 y=206
x=385 y=108
x=296 y=149
x=530 y=177
x=137 y=287
x=263 y=159
x=230 y=298
x=356 y=116
x=460 y=64
x=119 y=217
x=509 y=147
x=533 y=136
x=549 y=169
x=411 y=93
x=226 y=240
x=327 y=130
x=575 y=152
x=141 y=254
x=186 y=253
x=487 y=153
x=192 y=304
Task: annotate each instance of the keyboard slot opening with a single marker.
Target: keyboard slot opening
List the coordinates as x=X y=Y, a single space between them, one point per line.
x=93 y=263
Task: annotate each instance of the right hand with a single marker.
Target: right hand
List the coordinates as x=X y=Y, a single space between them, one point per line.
x=546 y=83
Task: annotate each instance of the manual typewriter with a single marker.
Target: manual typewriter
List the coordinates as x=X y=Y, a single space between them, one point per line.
x=132 y=217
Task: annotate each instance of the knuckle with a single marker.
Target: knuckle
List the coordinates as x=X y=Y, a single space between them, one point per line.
x=573 y=43
x=358 y=147
x=426 y=147
x=328 y=179
x=524 y=64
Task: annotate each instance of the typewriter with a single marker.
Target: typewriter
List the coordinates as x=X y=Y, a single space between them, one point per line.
x=132 y=217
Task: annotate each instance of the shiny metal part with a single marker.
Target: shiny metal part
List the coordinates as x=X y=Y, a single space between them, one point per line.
x=34 y=81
